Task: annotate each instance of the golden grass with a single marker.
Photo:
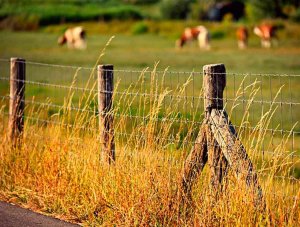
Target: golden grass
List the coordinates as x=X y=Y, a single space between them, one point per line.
x=57 y=169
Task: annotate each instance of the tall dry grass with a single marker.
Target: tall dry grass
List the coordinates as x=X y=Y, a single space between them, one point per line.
x=57 y=169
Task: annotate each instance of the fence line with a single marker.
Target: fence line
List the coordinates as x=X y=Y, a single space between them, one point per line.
x=164 y=157
x=179 y=97
x=139 y=136
x=143 y=94
x=193 y=98
x=185 y=95
x=157 y=71
x=158 y=119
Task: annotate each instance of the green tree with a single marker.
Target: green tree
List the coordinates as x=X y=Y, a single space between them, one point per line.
x=140 y=1
x=272 y=8
x=175 y=9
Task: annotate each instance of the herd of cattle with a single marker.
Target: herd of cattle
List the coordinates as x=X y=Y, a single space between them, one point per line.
x=266 y=33
x=75 y=38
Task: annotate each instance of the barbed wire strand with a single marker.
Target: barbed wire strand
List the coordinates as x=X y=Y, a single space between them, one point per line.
x=175 y=96
x=154 y=70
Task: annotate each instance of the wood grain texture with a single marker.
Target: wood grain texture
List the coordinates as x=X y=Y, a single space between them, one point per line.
x=214 y=82
x=217 y=144
x=17 y=99
x=194 y=164
x=106 y=120
x=233 y=150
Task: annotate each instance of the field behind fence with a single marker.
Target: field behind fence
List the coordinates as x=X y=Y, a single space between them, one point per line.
x=160 y=112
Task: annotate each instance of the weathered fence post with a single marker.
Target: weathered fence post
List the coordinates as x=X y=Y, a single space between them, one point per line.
x=206 y=149
x=214 y=82
x=17 y=99
x=230 y=150
x=217 y=143
x=106 y=119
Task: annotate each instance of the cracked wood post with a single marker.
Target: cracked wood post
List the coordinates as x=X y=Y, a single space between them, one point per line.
x=229 y=146
x=106 y=119
x=214 y=82
x=17 y=99
x=217 y=142
x=235 y=153
x=193 y=165
x=206 y=148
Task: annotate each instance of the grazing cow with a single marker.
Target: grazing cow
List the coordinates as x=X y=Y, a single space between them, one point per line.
x=266 y=33
x=199 y=33
x=242 y=37
x=74 y=37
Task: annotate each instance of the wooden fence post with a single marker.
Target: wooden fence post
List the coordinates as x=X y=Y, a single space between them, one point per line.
x=217 y=143
x=230 y=149
x=17 y=99
x=106 y=119
x=206 y=150
x=214 y=82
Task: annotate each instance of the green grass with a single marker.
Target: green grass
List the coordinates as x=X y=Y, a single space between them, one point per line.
x=56 y=13
x=138 y=52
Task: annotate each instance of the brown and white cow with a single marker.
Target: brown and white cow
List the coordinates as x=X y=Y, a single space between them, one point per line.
x=266 y=33
x=242 y=37
x=74 y=37
x=199 y=33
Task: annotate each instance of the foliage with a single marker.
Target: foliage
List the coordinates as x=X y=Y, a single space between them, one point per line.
x=56 y=11
x=175 y=9
x=198 y=10
x=272 y=8
x=139 y=28
x=53 y=14
x=217 y=34
x=296 y=15
x=141 y=1
x=267 y=8
x=21 y=22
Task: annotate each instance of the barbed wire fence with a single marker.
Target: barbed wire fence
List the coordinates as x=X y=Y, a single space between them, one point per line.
x=165 y=107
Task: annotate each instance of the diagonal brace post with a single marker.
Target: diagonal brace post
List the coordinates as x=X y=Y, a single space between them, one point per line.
x=217 y=142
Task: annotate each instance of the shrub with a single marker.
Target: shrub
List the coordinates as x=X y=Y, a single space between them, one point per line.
x=54 y=14
x=217 y=34
x=175 y=9
x=269 y=8
x=198 y=10
x=139 y=28
x=20 y=22
x=296 y=16
x=140 y=1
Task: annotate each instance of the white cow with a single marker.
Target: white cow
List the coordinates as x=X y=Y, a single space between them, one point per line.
x=74 y=37
x=199 y=33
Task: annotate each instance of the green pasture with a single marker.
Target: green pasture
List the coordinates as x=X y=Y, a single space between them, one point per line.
x=129 y=52
x=137 y=52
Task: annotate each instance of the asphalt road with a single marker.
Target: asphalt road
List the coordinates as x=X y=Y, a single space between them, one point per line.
x=14 y=216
